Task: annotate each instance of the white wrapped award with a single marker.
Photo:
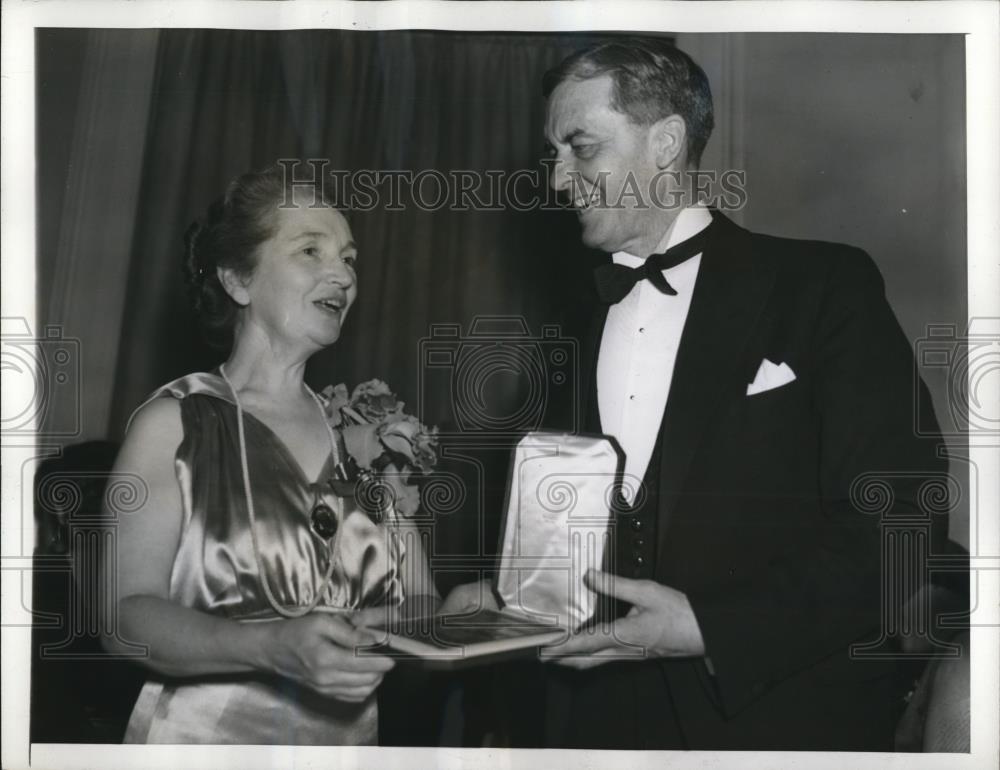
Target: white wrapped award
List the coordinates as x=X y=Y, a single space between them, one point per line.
x=557 y=524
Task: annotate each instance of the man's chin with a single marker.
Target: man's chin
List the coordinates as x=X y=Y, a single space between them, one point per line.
x=591 y=238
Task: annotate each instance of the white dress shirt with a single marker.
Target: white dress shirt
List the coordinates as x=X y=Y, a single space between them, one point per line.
x=638 y=351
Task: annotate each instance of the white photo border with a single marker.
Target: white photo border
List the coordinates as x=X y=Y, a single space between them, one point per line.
x=978 y=21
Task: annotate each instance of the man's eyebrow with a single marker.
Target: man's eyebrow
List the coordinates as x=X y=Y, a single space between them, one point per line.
x=567 y=138
x=349 y=246
x=576 y=132
x=310 y=234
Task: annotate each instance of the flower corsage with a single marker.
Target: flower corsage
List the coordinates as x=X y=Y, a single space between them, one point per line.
x=387 y=448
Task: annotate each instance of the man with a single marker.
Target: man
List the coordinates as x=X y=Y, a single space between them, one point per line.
x=751 y=381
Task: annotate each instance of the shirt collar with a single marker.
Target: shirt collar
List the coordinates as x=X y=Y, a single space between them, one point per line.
x=689 y=223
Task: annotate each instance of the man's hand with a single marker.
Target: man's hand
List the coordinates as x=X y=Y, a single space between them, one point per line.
x=661 y=624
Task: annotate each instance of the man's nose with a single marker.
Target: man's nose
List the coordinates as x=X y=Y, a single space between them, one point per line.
x=559 y=177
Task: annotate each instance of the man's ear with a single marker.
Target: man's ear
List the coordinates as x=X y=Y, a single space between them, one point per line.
x=234 y=285
x=669 y=138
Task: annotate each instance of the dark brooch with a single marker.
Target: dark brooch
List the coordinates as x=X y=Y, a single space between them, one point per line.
x=324 y=521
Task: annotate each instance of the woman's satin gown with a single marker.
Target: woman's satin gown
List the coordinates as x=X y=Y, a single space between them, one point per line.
x=215 y=571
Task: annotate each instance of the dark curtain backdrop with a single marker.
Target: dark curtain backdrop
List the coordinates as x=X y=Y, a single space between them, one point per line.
x=224 y=102
x=228 y=101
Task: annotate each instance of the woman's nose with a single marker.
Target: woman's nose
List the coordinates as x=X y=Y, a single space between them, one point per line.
x=340 y=273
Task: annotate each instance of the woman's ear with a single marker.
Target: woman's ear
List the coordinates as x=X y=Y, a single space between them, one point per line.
x=669 y=137
x=234 y=285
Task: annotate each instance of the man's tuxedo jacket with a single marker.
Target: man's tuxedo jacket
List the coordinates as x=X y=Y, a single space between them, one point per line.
x=775 y=509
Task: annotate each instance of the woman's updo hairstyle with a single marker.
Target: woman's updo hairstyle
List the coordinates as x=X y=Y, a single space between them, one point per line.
x=228 y=237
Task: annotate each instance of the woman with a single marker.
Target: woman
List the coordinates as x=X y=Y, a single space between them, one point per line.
x=242 y=523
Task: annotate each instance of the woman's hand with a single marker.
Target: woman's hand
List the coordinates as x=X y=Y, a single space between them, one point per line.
x=469 y=597
x=389 y=617
x=319 y=651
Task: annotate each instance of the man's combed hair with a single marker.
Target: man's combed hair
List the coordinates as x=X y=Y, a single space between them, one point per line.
x=652 y=79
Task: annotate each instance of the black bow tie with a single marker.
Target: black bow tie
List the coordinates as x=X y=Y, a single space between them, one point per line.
x=614 y=282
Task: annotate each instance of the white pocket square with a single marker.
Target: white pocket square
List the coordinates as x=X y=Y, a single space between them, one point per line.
x=770 y=376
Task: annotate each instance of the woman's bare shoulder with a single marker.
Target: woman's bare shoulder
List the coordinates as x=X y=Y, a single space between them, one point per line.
x=155 y=430
x=159 y=414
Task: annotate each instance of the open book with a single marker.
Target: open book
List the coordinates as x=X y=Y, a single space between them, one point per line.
x=557 y=524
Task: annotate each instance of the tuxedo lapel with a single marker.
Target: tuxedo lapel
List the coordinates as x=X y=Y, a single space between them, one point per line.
x=730 y=293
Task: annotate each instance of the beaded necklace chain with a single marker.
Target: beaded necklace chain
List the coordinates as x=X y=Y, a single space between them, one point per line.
x=248 y=494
